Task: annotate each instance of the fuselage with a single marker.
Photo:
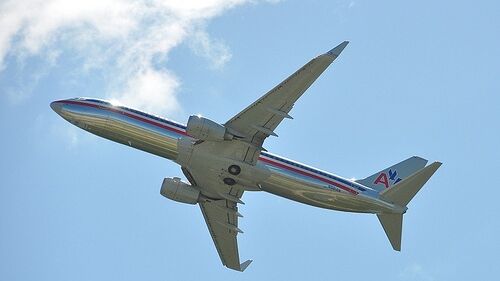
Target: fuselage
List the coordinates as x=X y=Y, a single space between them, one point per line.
x=161 y=137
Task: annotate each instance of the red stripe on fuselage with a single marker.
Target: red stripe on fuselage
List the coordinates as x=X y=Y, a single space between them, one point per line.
x=158 y=124
x=274 y=163
x=124 y=112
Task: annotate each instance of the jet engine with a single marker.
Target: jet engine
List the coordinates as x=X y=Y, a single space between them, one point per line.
x=175 y=189
x=206 y=129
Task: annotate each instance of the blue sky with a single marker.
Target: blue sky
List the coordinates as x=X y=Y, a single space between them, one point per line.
x=418 y=78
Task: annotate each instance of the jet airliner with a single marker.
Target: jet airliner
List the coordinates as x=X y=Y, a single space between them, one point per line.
x=222 y=161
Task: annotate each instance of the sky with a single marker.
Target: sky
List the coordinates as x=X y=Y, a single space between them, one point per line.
x=418 y=78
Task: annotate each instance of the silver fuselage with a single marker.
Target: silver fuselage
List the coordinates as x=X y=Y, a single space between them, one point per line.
x=277 y=175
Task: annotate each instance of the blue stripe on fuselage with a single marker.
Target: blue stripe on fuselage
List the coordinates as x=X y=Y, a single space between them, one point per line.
x=315 y=171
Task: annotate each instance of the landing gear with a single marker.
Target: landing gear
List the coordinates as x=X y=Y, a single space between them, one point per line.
x=234 y=170
x=229 y=181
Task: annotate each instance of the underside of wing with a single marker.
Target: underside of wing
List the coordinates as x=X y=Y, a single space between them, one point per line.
x=221 y=188
x=221 y=217
x=259 y=120
x=218 y=201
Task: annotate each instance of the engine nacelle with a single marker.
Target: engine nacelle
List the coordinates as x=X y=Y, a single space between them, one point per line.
x=175 y=189
x=206 y=129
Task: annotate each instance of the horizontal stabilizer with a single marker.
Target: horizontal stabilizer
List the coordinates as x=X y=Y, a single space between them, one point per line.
x=405 y=190
x=393 y=227
x=401 y=194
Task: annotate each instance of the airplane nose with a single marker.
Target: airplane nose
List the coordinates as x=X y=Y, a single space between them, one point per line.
x=57 y=106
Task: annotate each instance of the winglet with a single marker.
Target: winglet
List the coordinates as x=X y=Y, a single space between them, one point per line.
x=335 y=52
x=244 y=265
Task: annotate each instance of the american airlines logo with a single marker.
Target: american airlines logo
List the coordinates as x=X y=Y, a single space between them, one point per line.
x=388 y=181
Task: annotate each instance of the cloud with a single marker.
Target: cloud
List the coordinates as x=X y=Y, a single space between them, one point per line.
x=127 y=40
x=155 y=87
x=214 y=50
x=415 y=271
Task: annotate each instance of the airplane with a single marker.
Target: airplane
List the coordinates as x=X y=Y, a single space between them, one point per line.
x=222 y=161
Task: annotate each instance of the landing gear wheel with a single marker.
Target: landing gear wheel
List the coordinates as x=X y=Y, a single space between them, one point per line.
x=234 y=170
x=229 y=181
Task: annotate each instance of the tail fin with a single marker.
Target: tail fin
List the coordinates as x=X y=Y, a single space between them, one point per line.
x=389 y=177
x=401 y=194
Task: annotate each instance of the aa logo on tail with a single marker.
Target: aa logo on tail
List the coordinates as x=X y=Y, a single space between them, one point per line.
x=388 y=181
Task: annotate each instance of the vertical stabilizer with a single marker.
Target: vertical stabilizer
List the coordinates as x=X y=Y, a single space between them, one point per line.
x=391 y=176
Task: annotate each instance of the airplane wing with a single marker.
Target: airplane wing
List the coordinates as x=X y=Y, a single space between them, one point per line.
x=221 y=217
x=251 y=126
x=259 y=120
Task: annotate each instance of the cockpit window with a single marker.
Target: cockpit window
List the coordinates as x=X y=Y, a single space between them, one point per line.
x=98 y=101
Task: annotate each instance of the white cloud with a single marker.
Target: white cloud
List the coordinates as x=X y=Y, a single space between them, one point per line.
x=214 y=50
x=129 y=40
x=415 y=271
x=155 y=87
